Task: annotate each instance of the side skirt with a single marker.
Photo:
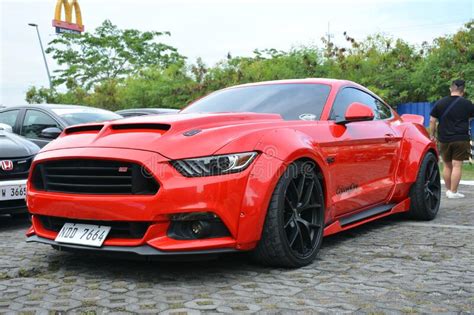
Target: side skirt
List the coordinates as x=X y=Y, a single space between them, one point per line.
x=368 y=215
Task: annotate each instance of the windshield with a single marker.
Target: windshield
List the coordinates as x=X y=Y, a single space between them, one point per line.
x=75 y=116
x=291 y=101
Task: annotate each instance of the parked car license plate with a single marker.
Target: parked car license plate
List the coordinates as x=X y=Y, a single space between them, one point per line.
x=83 y=234
x=13 y=192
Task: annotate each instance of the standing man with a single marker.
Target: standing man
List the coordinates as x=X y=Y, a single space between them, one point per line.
x=452 y=114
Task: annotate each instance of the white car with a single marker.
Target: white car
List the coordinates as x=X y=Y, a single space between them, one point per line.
x=16 y=154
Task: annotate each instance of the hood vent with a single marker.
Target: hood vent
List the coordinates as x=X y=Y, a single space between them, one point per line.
x=85 y=128
x=140 y=126
x=192 y=132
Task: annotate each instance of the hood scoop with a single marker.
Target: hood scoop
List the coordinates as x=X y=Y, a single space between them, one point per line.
x=141 y=126
x=85 y=128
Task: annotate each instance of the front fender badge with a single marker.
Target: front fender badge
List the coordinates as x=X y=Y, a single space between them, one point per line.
x=191 y=132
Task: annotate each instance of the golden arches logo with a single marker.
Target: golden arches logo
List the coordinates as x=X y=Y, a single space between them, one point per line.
x=67 y=26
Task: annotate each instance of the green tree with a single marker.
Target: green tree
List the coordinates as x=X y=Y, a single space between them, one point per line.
x=154 y=87
x=381 y=63
x=108 y=53
x=448 y=58
x=115 y=69
x=38 y=95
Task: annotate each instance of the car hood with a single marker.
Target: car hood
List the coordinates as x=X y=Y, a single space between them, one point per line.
x=173 y=136
x=14 y=146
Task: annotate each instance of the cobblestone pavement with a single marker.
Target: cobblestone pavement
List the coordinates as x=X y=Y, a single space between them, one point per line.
x=390 y=266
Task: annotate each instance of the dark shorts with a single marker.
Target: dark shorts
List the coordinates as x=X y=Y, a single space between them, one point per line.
x=457 y=150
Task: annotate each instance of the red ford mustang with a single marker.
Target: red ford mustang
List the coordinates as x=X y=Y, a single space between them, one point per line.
x=270 y=168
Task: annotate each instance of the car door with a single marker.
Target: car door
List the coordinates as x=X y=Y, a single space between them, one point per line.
x=363 y=155
x=34 y=122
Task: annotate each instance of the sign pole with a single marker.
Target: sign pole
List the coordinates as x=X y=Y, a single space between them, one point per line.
x=44 y=55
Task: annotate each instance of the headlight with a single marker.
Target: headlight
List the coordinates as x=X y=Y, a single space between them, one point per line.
x=214 y=165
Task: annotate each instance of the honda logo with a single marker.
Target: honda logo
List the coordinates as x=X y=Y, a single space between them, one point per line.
x=6 y=165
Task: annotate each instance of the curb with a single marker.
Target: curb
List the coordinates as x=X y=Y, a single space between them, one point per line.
x=464 y=182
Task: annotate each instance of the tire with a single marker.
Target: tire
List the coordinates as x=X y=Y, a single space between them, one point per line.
x=425 y=194
x=293 y=229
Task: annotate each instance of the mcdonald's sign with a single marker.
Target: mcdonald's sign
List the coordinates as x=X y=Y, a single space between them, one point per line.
x=66 y=25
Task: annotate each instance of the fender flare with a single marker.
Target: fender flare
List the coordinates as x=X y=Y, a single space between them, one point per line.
x=280 y=148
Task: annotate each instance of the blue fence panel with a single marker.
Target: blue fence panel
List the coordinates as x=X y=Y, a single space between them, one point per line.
x=423 y=109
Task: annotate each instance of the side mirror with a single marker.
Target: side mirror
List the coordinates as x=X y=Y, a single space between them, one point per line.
x=6 y=128
x=357 y=112
x=50 y=133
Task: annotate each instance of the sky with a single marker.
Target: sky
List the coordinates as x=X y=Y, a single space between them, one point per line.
x=210 y=28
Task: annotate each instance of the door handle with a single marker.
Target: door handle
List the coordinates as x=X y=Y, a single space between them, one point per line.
x=389 y=137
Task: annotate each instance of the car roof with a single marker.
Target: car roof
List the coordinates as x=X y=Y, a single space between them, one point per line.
x=147 y=109
x=335 y=83
x=45 y=106
x=302 y=81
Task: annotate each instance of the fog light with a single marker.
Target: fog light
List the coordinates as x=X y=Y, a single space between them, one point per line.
x=196 y=225
x=200 y=229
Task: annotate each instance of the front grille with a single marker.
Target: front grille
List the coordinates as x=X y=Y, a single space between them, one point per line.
x=12 y=204
x=94 y=177
x=118 y=229
x=21 y=167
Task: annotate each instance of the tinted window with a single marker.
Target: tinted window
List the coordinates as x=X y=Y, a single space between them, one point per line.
x=75 y=116
x=384 y=111
x=35 y=121
x=9 y=117
x=291 y=101
x=349 y=95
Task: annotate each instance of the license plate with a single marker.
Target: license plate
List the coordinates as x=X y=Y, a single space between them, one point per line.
x=13 y=192
x=83 y=234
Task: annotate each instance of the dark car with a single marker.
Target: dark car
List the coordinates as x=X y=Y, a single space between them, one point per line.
x=44 y=122
x=16 y=155
x=131 y=112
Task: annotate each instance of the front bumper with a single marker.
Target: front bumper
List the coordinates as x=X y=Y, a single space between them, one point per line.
x=14 y=206
x=239 y=200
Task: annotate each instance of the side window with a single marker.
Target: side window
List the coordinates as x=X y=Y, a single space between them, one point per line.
x=35 y=121
x=384 y=111
x=343 y=99
x=9 y=117
x=349 y=95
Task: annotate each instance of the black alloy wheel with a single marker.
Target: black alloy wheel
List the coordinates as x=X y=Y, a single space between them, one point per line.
x=432 y=185
x=302 y=215
x=425 y=194
x=294 y=224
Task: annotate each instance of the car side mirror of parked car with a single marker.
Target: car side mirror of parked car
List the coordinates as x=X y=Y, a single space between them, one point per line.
x=357 y=112
x=50 y=133
x=6 y=128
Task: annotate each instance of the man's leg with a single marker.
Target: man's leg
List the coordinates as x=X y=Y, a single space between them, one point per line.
x=447 y=171
x=456 y=175
x=446 y=153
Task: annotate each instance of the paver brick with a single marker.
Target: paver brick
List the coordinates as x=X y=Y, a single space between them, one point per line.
x=389 y=266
